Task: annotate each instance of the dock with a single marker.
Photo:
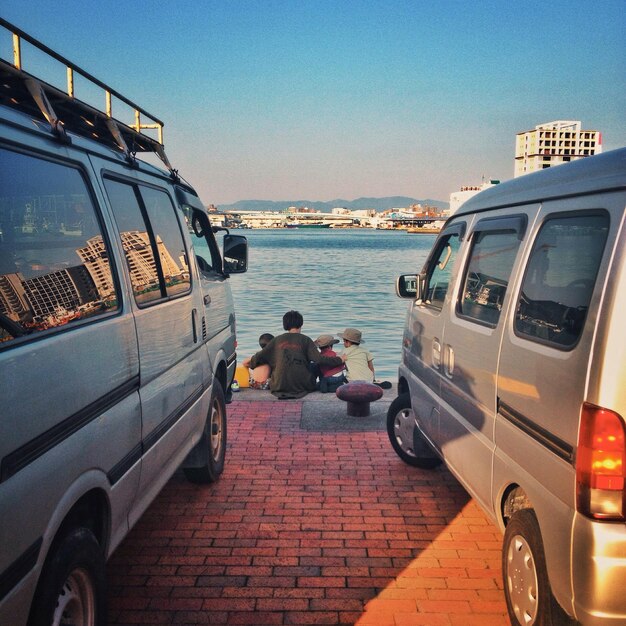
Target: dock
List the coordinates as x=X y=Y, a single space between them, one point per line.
x=315 y=520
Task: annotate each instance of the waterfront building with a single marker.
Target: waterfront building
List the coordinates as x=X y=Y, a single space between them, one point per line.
x=553 y=143
x=457 y=198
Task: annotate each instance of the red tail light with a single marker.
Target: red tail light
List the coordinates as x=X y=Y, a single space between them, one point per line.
x=601 y=464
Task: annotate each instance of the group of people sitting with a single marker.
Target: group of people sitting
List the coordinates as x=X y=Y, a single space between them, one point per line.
x=292 y=364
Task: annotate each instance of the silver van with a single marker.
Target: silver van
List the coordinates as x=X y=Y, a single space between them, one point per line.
x=117 y=339
x=513 y=373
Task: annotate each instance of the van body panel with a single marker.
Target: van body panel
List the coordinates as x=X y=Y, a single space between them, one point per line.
x=174 y=445
x=218 y=320
x=422 y=366
x=501 y=397
x=521 y=460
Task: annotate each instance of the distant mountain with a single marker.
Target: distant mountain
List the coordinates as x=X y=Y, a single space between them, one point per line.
x=380 y=204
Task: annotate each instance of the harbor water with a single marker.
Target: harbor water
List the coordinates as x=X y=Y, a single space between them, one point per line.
x=336 y=278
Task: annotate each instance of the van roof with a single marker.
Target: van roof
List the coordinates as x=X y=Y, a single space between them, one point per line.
x=606 y=171
x=39 y=107
x=62 y=109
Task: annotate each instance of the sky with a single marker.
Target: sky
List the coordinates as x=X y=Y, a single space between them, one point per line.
x=321 y=100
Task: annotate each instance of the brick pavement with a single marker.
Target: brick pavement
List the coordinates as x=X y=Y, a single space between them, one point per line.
x=309 y=528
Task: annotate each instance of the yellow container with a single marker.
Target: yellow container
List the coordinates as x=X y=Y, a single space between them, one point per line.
x=242 y=376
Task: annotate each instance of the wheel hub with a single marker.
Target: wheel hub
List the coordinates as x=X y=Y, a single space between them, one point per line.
x=76 y=602
x=522 y=581
x=404 y=424
x=216 y=432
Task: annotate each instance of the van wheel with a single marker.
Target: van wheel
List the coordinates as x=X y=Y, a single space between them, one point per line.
x=405 y=437
x=213 y=441
x=529 y=599
x=72 y=587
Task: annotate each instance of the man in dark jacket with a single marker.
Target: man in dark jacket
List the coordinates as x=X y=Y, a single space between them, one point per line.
x=289 y=355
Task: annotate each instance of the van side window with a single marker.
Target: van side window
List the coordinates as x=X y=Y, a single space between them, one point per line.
x=440 y=269
x=560 y=277
x=204 y=245
x=54 y=260
x=487 y=275
x=152 y=241
x=169 y=239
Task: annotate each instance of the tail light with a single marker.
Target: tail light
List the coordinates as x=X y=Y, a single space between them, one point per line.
x=601 y=464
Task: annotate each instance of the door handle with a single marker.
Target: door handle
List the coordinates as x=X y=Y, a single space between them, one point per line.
x=207 y=300
x=449 y=360
x=194 y=322
x=436 y=353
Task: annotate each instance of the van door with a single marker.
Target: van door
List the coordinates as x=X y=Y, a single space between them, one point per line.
x=471 y=346
x=218 y=317
x=173 y=360
x=424 y=330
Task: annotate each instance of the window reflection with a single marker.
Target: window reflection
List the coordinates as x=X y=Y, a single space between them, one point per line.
x=169 y=240
x=148 y=238
x=54 y=263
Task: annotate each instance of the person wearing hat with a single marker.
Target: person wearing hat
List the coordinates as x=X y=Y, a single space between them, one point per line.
x=289 y=356
x=330 y=376
x=358 y=361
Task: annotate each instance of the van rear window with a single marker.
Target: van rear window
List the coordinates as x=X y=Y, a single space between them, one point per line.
x=560 y=278
x=54 y=260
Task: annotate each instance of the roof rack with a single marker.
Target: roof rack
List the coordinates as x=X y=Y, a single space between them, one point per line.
x=63 y=111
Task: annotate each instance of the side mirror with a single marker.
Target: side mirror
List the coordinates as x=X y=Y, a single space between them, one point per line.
x=410 y=286
x=235 y=254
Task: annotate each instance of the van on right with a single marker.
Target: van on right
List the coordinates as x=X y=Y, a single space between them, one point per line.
x=513 y=372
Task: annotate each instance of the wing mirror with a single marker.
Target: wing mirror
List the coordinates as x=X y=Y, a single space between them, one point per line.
x=235 y=254
x=410 y=286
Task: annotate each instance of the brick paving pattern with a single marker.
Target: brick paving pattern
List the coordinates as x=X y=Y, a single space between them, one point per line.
x=309 y=528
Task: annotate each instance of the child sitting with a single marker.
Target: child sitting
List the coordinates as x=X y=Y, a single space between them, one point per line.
x=260 y=375
x=358 y=361
x=330 y=377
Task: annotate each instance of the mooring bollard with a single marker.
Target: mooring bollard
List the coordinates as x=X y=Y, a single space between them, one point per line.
x=358 y=395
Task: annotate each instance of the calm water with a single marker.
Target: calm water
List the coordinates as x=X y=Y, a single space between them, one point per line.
x=336 y=279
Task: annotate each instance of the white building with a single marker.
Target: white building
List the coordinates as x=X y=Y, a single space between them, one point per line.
x=457 y=198
x=554 y=143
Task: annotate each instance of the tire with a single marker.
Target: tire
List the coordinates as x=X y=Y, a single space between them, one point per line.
x=405 y=437
x=72 y=588
x=213 y=442
x=529 y=599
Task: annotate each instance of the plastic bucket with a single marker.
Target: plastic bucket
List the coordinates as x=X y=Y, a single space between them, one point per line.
x=242 y=376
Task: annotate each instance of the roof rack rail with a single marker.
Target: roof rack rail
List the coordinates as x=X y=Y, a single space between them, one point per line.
x=63 y=111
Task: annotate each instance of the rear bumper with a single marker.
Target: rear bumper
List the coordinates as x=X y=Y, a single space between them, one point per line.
x=599 y=572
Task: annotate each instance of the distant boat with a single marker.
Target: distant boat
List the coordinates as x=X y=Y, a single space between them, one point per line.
x=320 y=225
x=423 y=230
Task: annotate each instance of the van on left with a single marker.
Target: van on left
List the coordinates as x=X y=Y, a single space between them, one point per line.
x=117 y=338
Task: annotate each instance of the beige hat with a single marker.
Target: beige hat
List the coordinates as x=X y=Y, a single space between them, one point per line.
x=325 y=341
x=351 y=334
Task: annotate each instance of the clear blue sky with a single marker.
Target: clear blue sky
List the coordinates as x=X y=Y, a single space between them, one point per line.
x=318 y=99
